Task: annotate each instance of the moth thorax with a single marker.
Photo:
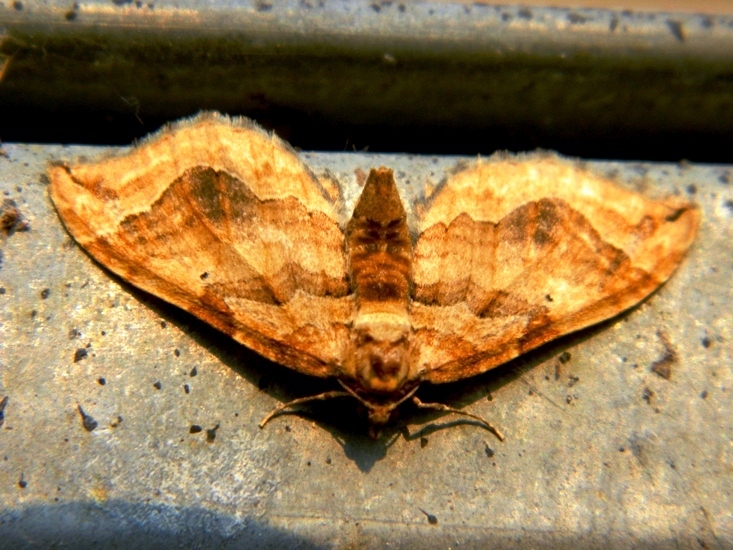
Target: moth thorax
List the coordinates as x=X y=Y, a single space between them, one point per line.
x=381 y=351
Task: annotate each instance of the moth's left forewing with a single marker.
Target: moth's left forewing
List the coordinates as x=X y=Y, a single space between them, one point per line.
x=516 y=251
x=223 y=220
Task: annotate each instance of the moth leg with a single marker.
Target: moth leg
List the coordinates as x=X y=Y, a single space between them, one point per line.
x=320 y=397
x=446 y=408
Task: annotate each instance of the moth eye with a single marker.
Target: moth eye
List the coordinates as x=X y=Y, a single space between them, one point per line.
x=365 y=339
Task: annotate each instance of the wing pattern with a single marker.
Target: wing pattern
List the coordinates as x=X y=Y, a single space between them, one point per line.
x=224 y=221
x=514 y=252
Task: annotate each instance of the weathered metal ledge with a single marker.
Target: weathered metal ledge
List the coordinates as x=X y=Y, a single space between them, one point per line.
x=601 y=451
x=437 y=77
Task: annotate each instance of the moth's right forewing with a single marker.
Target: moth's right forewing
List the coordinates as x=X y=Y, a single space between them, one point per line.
x=514 y=252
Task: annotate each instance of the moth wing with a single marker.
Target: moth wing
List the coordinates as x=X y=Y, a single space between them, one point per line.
x=516 y=251
x=223 y=220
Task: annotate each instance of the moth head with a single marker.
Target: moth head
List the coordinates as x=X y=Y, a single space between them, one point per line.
x=380 y=354
x=380 y=408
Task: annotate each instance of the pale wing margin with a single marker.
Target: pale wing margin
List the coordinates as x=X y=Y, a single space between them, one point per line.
x=516 y=251
x=223 y=220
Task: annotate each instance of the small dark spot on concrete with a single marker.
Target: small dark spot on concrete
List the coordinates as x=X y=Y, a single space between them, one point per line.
x=211 y=434
x=565 y=356
x=102 y=381
x=103 y=333
x=729 y=204
x=376 y=7
x=423 y=442
x=195 y=428
x=116 y=423
x=577 y=18
x=328 y=460
x=2 y=290
x=662 y=367
x=706 y=342
x=11 y=220
x=72 y=14
x=177 y=352
x=34 y=312
x=621 y=450
x=432 y=520
x=308 y=463
x=18 y=5
x=45 y=293
x=193 y=372
x=163 y=324
x=263 y=5
x=121 y=2
x=672 y=464
x=204 y=275
x=74 y=333
x=530 y=392
x=157 y=385
x=691 y=189
x=488 y=450
x=568 y=399
x=401 y=8
x=677 y=29
x=80 y=354
x=704 y=394
x=288 y=428
x=489 y=397
x=572 y=380
x=86 y=420
x=647 y=395
x=506 y=17
x=548 y=298
x=22 y=483
x=707 y=22
x=3 y=404
x=724 y=178
x=525 y=13
x=186 y=388
x=613 y=25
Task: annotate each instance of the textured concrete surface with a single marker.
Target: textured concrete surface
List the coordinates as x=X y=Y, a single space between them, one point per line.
x=601 y=451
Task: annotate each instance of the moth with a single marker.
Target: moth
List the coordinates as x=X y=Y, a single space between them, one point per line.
x=222 y=219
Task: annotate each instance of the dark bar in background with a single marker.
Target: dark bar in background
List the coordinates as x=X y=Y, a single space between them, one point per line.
x=432 y=78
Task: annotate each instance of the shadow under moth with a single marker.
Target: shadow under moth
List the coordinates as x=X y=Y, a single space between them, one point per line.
x=222 y=219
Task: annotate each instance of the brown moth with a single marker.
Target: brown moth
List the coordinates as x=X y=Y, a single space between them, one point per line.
x=222 y=219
